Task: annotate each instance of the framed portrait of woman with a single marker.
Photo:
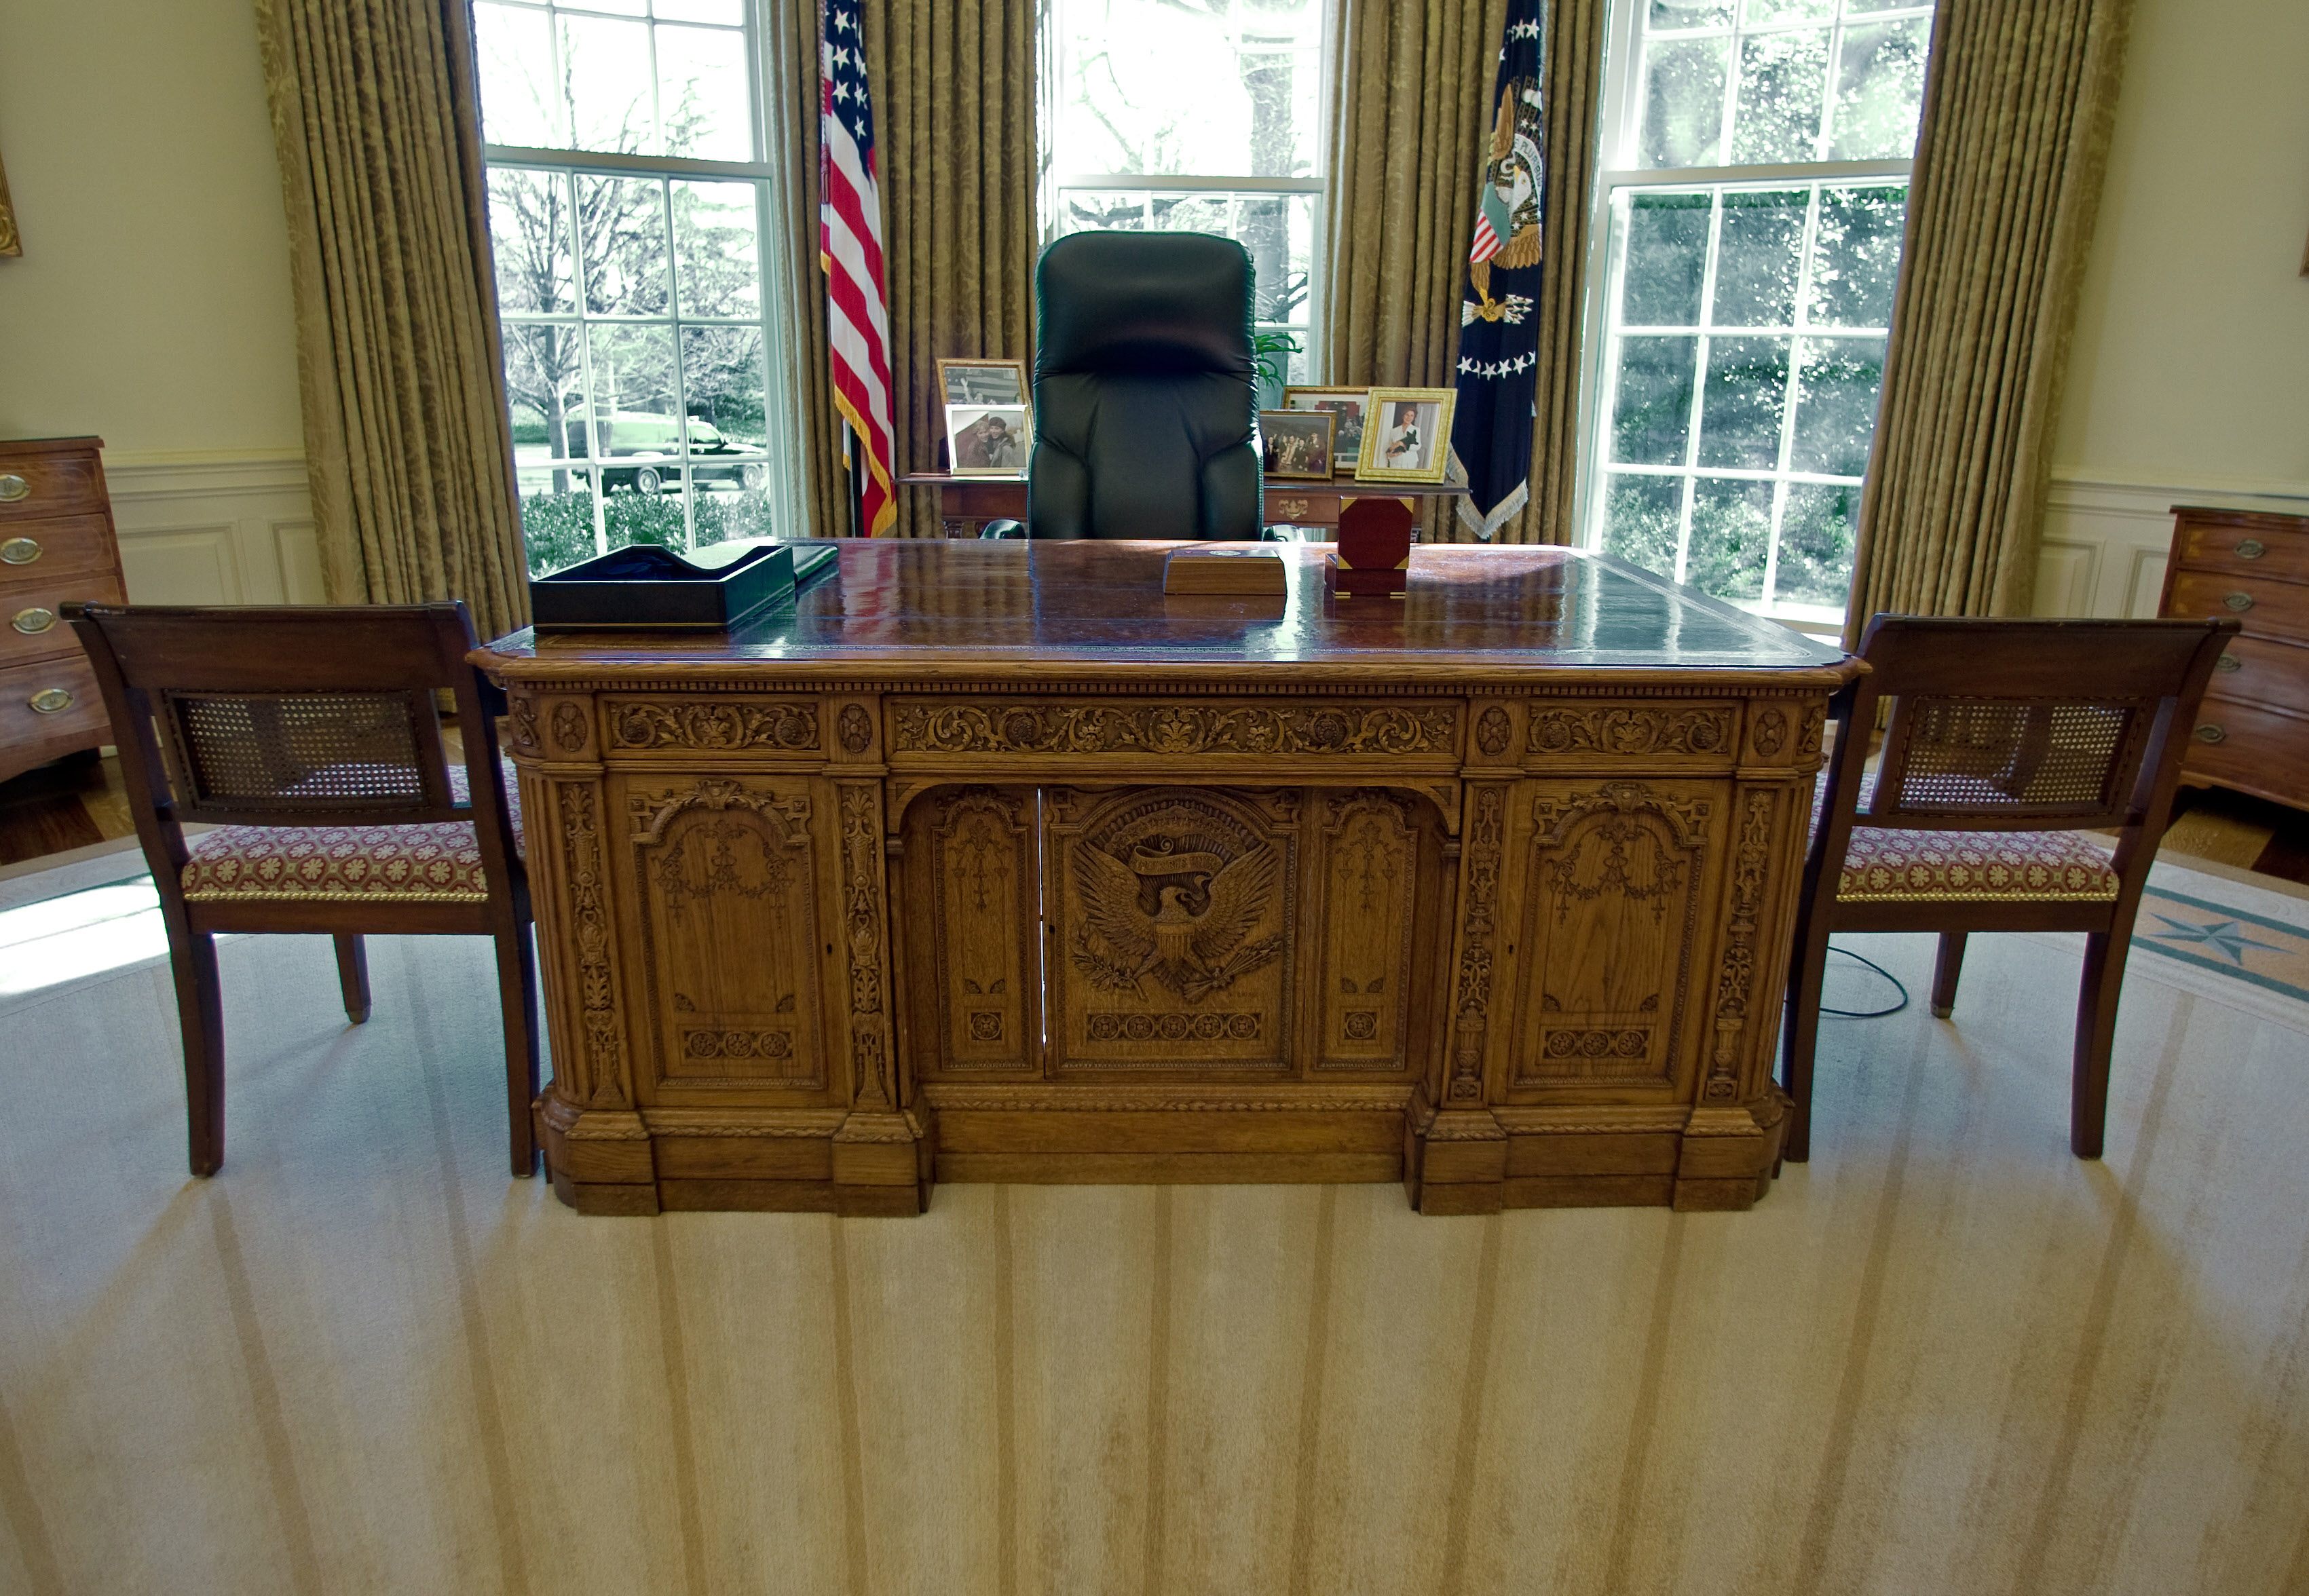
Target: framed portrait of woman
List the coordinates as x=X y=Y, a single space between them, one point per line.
x=1407 y=434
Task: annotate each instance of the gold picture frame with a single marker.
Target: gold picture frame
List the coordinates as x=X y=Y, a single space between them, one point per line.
x=1346 y=440
x=1429 y=435
x=10 y=242
x=976 y=383
x=1295 y=446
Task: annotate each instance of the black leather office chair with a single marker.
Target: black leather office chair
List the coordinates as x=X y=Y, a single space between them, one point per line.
x=1144 y=392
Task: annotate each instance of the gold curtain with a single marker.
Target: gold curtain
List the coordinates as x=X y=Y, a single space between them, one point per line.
x=2019 y=100
x=1413 y=113
x=954 y=125
x=376 y=118
x=791 y=115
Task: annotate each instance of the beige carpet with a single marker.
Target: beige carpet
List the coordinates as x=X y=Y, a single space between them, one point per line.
x=1945 y=1358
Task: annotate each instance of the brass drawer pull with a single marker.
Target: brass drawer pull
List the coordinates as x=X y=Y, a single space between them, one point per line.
x=2228 y=662
x=19 y=551
x=2211 y=734
x=50 y=701
x=2250 y=548
x=13 y=488
x=2240 y=602
x=33 y=620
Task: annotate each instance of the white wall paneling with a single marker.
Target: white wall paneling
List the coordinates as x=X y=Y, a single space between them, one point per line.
x=2104 y=542
x=215 y=528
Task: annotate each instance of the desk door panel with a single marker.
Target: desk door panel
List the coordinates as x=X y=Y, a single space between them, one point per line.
x=973 y=897
x=1378 y=856
x=1619 y=878
x=725 y=876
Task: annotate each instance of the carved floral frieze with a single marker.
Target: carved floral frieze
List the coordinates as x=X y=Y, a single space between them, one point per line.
x=1175 y=729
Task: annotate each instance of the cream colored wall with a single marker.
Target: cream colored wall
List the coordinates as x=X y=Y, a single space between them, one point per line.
x=2189 y=378
x=151 y=305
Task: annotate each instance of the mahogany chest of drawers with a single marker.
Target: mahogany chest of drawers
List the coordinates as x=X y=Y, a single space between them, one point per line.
x=2253 y=732
x=57 y=544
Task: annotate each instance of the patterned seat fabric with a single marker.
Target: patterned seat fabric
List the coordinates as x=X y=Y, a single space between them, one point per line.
x=1887 y=865
x=435 y=862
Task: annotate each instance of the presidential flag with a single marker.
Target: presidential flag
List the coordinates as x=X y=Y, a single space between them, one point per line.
x=1498 y=332
x=850 y=252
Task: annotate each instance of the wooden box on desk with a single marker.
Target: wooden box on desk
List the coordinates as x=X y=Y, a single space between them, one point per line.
x=2253 y=732
x=57 y=544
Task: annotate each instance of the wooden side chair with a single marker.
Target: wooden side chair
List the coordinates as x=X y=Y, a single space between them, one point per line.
x=2005 y=737
x=311 y=739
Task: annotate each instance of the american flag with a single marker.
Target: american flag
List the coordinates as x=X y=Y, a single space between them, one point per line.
x=850 y=251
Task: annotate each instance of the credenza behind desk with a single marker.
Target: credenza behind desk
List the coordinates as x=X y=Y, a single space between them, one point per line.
x=983 y=861
x=966 y=503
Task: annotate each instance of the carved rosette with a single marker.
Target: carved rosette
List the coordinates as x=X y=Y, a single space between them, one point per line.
x=855 y=728
x=1627 y=731
x=716 y=727
x=1494 y=731
x=1751 y=867
x=1472 y=1000
x=1175 y=729
x=862 y=896
x=1770 y=734
x=571 y=727
x=601 y=1045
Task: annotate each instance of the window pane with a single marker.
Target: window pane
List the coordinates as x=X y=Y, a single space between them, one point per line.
x=703 y=97
x=1683 y=102
x=545 y=391
x=1835 y=404
x=621 y=228
x=1193 y=212
x=717 y=256
x=1761 y=12
x=1083 y=211
x=634 y=412
x=1640 y=520
x=557 y=519
x=1756 y=269
x=1880 y=91
x=606 y=63
x=726 y=515
x=1153 y=87
x=1783 y=81
x=731 y=12
x=722 y=380
x=520 y=102
x=1731 y=537
x=1277 y=231
x=1652 y=414
x=647 y=515
x=1856 y=258
x=1747 y=394
x=1817 y=534
x=529 y=235
x=1688 y=14
x=1666 y=259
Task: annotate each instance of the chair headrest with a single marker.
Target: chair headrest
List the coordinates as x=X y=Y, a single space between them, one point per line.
x=1143 y=303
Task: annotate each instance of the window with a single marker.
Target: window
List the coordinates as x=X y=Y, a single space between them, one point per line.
x=1752 y=202
x=630 y=210
x=1197 y=116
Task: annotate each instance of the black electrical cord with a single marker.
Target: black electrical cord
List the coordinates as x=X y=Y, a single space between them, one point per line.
x=1871 y=1014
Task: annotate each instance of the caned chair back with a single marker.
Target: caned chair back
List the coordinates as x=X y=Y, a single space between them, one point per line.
x=2003 y=725
x=295 y=716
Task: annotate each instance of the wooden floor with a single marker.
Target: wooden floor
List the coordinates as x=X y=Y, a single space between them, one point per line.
x=81 y=801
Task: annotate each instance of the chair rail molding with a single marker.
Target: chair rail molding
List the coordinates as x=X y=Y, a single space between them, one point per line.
x=215 y=527
x=2107 y=536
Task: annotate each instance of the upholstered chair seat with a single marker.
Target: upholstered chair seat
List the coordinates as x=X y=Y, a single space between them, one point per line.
x=1892 y=865
x=434 y=862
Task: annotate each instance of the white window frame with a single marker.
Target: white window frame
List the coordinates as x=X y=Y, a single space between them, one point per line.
x=1059 y=181
x=1620 y=172
x=771 y=248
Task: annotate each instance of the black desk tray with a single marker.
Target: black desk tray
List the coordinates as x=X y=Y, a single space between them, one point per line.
x=645 y=586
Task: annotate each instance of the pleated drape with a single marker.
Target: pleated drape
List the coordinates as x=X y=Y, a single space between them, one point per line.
x=1413 y=114
x=2019 y=100
x=376 y=118
x=790 y=113
x=954 y=128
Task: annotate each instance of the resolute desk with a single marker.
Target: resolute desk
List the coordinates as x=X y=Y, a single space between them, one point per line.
x=984 y=861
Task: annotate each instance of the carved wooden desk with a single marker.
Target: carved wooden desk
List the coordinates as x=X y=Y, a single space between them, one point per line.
x=985 y=862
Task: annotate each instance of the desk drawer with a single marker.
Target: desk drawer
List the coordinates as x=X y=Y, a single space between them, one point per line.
x=2254 y=750
x=2261 y=670
x=54 y=698
x=40 y=484
x=2243 y=550
x=41 y=551
x=2268 y=609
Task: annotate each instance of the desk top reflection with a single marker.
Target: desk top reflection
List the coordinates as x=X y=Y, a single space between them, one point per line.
x=1096 y=611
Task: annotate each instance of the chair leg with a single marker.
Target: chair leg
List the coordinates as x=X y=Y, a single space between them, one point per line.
x=200 y=1014
x=352 y=975
x=2104 y=979
x=1801 y=1035
x=1945 y=969
x=517 y=995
